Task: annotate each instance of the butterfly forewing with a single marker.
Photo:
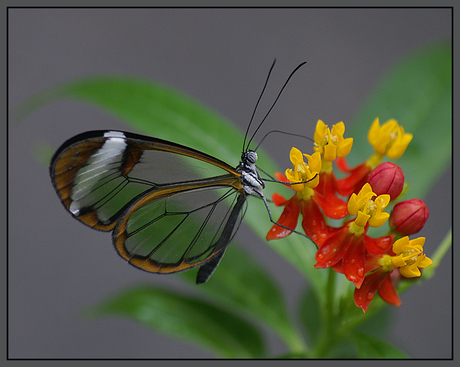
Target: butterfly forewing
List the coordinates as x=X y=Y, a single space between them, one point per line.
x=98 y=174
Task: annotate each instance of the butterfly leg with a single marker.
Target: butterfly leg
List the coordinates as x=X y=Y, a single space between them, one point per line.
x=276 y=223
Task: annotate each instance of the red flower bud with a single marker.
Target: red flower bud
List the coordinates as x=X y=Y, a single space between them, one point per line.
x=409 y=217
x=387 y=178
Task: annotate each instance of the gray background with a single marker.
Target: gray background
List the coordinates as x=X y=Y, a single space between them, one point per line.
x=220 y=57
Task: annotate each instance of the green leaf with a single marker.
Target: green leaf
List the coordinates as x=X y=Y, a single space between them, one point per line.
x=343 y=349
x=293 y=355
x=241 y=284
x=370 y=347
x=377 y=324
x=310 y=315
x=417 y=92
x=186 y=318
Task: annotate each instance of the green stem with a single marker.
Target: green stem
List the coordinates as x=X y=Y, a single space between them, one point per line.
x=437 y=256
x=328 y=331
x=294 y=342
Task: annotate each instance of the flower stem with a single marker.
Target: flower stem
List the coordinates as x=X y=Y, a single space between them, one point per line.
x=295 y=343
x=328 y=331
x=438 y=255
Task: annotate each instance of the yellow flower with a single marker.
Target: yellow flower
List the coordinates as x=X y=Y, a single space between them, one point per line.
x=331 y=143
x=410 y=257
x=379 y=217
x=389 y=139
x=368 y=210
x=343 y=145
x=303 y=171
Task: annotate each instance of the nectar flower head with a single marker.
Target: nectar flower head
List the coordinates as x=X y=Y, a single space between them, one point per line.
x=331 y=143
x=389 y=139
x=387 y=178
x=409 y=217
x=303 y=171
x=368 y=210
x=409 y=257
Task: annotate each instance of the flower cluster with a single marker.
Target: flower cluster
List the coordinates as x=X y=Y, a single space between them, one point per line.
x=359 y=199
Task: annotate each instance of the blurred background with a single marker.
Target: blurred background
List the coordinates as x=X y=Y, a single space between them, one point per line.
x=220 y=57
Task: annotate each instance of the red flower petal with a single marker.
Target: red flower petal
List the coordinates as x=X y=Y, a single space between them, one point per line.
x=338 y=267
x=378 y=246
x=326 y=197
x=388 y=292
x=280 y=177
x=289 y=218
x=326 y=184
x=313 y=222
x=278 y=200
x=354 y=260
x=332 y=206
x=372 y=262
x=355 y=181
x=333 y=248
x=365 y=294
x=342 y=164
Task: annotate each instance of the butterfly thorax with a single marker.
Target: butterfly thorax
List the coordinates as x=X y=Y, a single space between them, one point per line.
x=250 y=178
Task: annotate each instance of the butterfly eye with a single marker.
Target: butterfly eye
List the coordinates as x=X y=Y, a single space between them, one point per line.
x=250 y=157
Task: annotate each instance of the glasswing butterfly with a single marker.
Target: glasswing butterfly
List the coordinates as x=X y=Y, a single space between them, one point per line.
x=169 y=207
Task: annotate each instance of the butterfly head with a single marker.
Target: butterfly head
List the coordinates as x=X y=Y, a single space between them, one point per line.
x=249 y=157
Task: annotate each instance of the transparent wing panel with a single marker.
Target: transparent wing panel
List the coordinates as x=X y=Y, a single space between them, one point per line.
x=163 y=167
x=183 y=227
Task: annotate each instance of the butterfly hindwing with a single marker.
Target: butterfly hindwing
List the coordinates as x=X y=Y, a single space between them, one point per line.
x=165 y=233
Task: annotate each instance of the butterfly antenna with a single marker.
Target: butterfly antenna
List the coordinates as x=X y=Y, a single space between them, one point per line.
x=276 y=99
x=281 y=132
x=257 y=104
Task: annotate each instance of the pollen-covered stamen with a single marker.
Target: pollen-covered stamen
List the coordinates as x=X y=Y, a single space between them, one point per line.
x=370 y=207
x=329 y=138
x=392 y=136
x=410 y=256
x=332 y=138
